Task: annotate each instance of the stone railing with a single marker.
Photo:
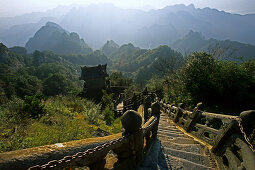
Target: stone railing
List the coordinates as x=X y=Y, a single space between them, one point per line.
x=226 y=135
x=137 y=99
x=127 y=149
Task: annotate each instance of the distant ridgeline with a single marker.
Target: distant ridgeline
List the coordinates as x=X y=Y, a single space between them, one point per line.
x=227 y=50
x=52 y=37
x=145 y=29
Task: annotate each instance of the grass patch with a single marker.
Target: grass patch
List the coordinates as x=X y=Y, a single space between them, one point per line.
x=65 y=118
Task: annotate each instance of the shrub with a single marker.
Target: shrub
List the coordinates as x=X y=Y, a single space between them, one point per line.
x=108 y=115
x=33 y=106
x=12 y=112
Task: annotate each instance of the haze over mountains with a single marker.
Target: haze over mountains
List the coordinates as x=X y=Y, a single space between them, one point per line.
x=195 y=41
x=146 y=29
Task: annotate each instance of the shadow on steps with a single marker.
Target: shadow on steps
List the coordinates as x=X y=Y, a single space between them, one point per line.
x=155 y=158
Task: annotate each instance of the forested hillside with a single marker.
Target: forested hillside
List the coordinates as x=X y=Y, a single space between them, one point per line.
x=39 y=101
x=142 y=64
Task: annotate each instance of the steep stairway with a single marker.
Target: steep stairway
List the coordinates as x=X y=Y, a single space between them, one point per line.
x=180 y=151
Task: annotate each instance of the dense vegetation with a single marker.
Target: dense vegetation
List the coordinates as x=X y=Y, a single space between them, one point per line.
x=142 y=64
x=223 y=86
x=42 y=73
x=39 y=103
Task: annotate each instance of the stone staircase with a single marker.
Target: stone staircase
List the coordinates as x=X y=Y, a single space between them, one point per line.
x=180 y=151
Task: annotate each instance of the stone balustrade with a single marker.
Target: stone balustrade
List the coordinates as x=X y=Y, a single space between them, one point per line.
x=227 y=135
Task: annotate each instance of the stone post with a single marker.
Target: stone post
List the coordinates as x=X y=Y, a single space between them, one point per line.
x=155 y=111
x=132 y=123
x=193 y=118
x=178 y=112
x=147 y=105
x=248 y=121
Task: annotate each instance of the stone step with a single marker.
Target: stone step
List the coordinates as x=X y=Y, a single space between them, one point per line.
x=181 y=151
x=181 y=140
x=166 y=126
x=169 y=130
x=179 y=163
x=163 y=118
x=164 y=121
x=189 y=156
x=170 y=134
x=196 y=148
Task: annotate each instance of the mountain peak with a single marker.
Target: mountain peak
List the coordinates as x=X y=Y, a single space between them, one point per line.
x=194 y=34
x=52 y=37
x=110 y=47
x=53 y=24
x=192 y=6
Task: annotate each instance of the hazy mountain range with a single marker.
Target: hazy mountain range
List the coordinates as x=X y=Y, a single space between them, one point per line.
x=146 y=29
x=230 y=50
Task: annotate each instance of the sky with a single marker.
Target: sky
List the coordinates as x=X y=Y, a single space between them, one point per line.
x=17 y=7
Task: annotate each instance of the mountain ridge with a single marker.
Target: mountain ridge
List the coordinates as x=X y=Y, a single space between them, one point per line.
x=149 y=29
x=231 y=50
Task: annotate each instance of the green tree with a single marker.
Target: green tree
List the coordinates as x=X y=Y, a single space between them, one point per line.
x=117 y=79
x=38 y=58
x=27 y=85
x=55 y=84
x=107 y=106
x=221 y=85
x=197 y=76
